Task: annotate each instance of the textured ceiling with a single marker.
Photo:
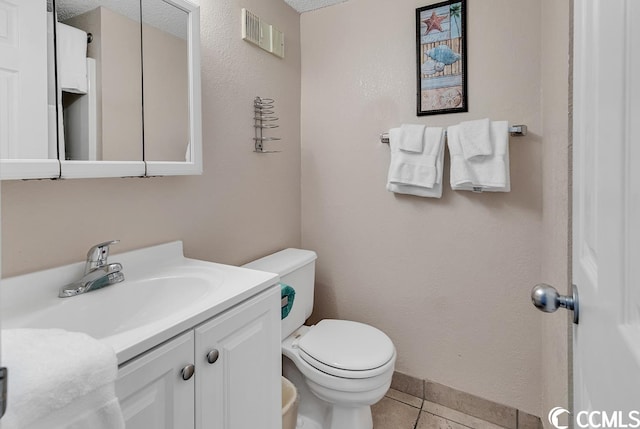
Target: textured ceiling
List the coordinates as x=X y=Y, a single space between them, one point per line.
x=156 y=13
x=307 y=5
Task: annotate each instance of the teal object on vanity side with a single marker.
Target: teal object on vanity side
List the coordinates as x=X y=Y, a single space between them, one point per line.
x=287 y=295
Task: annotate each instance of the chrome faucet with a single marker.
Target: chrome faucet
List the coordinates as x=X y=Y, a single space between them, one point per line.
x=98 y=273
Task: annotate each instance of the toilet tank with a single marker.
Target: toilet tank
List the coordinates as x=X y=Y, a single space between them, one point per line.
x=296 y=268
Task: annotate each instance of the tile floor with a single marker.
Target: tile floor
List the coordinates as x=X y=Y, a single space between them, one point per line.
x=398 y=410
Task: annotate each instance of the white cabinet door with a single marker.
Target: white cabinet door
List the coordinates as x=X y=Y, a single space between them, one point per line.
x=241 y=389
x=152 y=391
x=24 y=112
x=23 y=79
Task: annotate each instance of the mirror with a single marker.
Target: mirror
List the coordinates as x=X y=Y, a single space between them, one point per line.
x=165 y=59
x=172 y=116
x=147 y=98
x=99 y=80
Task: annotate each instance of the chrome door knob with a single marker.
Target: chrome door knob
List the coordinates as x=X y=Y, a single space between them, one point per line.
x=213 y=356
x=546 y=298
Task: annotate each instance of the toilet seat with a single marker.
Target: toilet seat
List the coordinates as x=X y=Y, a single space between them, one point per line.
x=346 y=349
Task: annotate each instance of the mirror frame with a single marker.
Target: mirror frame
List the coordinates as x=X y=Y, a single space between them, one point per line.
x=23 y=169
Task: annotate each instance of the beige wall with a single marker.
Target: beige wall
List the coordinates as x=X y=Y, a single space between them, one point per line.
x=243 y=206
x=448 y=280
x=556 y=327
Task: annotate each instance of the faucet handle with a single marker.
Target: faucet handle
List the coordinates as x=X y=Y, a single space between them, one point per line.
x=97 y=256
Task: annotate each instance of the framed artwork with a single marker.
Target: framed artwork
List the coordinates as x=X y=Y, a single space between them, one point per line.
x=441 y=48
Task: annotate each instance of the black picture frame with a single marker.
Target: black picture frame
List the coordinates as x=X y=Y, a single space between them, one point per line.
x=441 y=58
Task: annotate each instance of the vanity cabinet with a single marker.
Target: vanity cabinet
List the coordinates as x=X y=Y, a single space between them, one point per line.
x=238 y=367
x=151 y=388
x=236 y=383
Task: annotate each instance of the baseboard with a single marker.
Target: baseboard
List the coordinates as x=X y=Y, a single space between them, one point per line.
x=484 y=409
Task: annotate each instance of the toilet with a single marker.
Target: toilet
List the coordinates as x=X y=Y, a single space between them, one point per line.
x=339 y=367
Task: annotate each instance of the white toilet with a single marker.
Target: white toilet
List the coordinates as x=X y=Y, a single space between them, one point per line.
x=340 y=368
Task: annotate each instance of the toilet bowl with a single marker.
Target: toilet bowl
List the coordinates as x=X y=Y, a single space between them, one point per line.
x=345 y=366
x=349 y=392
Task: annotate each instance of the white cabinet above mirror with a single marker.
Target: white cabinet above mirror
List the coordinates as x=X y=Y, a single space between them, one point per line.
x=121 y=95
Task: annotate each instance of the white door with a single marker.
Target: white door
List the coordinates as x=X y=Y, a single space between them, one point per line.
x=23 y=79
x=3 y=371
x=606 y=212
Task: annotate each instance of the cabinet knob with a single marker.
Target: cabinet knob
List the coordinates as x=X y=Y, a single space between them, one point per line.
x=187 y=372
x=213 y=356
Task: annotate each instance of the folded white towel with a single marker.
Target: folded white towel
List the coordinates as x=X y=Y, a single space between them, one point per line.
x=94 y=410
x=72 y=59
x=417 y=173
x=488 y=173
x=412 y=137
x=56 y=372
x=475 y=138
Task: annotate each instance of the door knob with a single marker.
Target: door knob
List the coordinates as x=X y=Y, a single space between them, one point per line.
x=213 y=356
x=187 y=372
x=546 y=298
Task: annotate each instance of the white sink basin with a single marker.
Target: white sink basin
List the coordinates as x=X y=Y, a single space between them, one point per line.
x=131 y=305
x=163 y=294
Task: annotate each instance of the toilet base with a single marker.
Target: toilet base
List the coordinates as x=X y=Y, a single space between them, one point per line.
x=306 y=423
x=314 y=413
x=348 y=419
x=351 y=418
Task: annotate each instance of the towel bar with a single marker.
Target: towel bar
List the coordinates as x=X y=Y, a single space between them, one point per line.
x=514 y=130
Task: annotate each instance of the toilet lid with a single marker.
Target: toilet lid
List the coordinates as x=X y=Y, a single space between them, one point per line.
x=346 y=345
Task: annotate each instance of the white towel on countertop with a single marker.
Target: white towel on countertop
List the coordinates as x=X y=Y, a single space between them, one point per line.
x=487 y=173
x=59 y=379
x=475 y=138
x=417 y=174
x=412 y=137
x=72 y=59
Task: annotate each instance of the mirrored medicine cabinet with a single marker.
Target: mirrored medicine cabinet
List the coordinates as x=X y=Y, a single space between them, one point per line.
x=99 y=88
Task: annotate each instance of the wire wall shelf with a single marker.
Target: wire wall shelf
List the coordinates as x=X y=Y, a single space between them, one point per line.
x=264 y=119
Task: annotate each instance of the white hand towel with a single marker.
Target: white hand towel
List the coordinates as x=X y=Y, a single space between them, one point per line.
x=488 y=173
x=475 y=138
x=72 y=59
x=412 y=137
x=417 y=174
x=56 y=372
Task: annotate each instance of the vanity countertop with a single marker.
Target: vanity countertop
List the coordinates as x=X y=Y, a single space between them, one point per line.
x=163 y=294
